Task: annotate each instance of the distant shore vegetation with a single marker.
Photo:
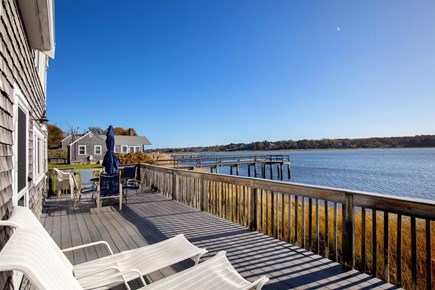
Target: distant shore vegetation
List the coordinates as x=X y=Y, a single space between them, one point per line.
x=419 y=141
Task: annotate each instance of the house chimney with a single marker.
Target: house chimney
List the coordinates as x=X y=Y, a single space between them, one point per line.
x=130 y=132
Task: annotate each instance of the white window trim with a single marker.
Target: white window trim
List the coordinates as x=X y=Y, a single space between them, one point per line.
x=20 y=102
x=135 y=148
x=126 y=148
x=37 y=177
x=78 y=150
x=95 y=149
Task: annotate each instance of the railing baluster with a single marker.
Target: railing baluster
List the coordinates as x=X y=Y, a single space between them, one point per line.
x=253 y=223
x=221 y=198
x=428 y=255
x=310 y=224
x=272 y=214
x=289 y=218
x=414 y=252
x=282 y=216
x=363 y=239
x=326 y=229
x=399 y=250
x=262 y=211
x=303 y=222
x=267 y=213
x=386 y=249
x=374 y=243
x=335 y=234
x=296 y=219
x=278 y=212
x=317 y=228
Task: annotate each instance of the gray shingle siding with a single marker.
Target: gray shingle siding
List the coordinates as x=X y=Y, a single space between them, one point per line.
x=17 y=71
x=89 y=140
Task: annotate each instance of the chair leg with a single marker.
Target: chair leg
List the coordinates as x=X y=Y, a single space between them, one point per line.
x=98 y=203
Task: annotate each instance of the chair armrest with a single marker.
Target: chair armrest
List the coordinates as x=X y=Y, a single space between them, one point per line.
x=89 y=245
x=258 y=284
x=7 y=223
x=117 y=275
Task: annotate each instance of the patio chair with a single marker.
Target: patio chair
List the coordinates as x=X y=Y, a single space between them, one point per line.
x=27 y=250
x=110 y=187
x=65 y=179
x=129 y=179
x=133 y=263
x=88 y=183
x=214 y=273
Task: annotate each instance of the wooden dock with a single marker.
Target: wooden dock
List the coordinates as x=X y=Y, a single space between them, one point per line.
x=262 y=166
x=150 y=217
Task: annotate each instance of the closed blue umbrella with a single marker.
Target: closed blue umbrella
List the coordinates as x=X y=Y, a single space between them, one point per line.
x=111 y=161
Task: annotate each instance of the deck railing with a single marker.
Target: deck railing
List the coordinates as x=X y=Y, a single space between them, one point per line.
x=385 y=236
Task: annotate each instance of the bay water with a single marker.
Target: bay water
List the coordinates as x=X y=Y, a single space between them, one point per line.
x=400 y=172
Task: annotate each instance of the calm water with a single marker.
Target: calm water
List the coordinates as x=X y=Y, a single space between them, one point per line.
x=402 y=172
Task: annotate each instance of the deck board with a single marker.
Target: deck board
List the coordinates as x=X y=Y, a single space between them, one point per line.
x=149 y=217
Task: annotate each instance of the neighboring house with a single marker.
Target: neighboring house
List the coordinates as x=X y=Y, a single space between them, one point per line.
x=91 y=148
x=87 y=148
x=129 y=144
x=26 y=44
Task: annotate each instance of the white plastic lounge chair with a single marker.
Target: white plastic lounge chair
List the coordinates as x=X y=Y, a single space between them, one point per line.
x=215 y=273
x=26 y=251
x=65 y=178
x=143 y=260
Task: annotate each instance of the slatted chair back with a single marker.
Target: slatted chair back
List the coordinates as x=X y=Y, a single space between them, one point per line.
x=110 y=186
x=23 y=218
x=128 y=172
x=27 y=251
x=129 y=179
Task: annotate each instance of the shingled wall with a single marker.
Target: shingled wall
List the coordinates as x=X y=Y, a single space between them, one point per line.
x=17 y=71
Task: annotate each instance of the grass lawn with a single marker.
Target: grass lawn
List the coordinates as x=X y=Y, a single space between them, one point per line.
x=74 y=166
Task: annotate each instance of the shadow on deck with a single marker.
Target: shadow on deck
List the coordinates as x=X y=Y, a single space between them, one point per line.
x=149 y=217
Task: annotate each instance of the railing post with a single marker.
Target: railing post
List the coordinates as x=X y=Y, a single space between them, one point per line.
x=174 y=185
x=253 y=225
x=204 y=195
x=349 y=233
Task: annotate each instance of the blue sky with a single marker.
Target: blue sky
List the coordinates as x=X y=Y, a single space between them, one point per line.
x=199 y=73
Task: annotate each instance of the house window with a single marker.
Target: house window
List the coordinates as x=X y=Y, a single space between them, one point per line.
x=124 y=148
x=21 y=158
x=97 y=150
x=82 y=149
x=38 y=155
x=134 y=149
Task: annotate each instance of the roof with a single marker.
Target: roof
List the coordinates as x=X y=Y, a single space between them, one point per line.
x=98 y=136
x=119 y=139
x=131 y=140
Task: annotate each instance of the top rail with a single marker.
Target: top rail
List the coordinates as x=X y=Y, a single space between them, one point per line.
x=419 y=208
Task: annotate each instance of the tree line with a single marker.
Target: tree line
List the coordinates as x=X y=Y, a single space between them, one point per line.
x=55 y=134
x=374 y=142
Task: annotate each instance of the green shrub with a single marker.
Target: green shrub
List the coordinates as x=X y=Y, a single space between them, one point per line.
x=57 y=153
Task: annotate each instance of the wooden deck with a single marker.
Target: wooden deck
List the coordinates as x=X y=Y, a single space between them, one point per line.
x=149 y=217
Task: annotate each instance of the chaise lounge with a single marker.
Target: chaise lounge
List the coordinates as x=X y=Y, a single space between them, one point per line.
x=27 y=250
x=141 y=261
